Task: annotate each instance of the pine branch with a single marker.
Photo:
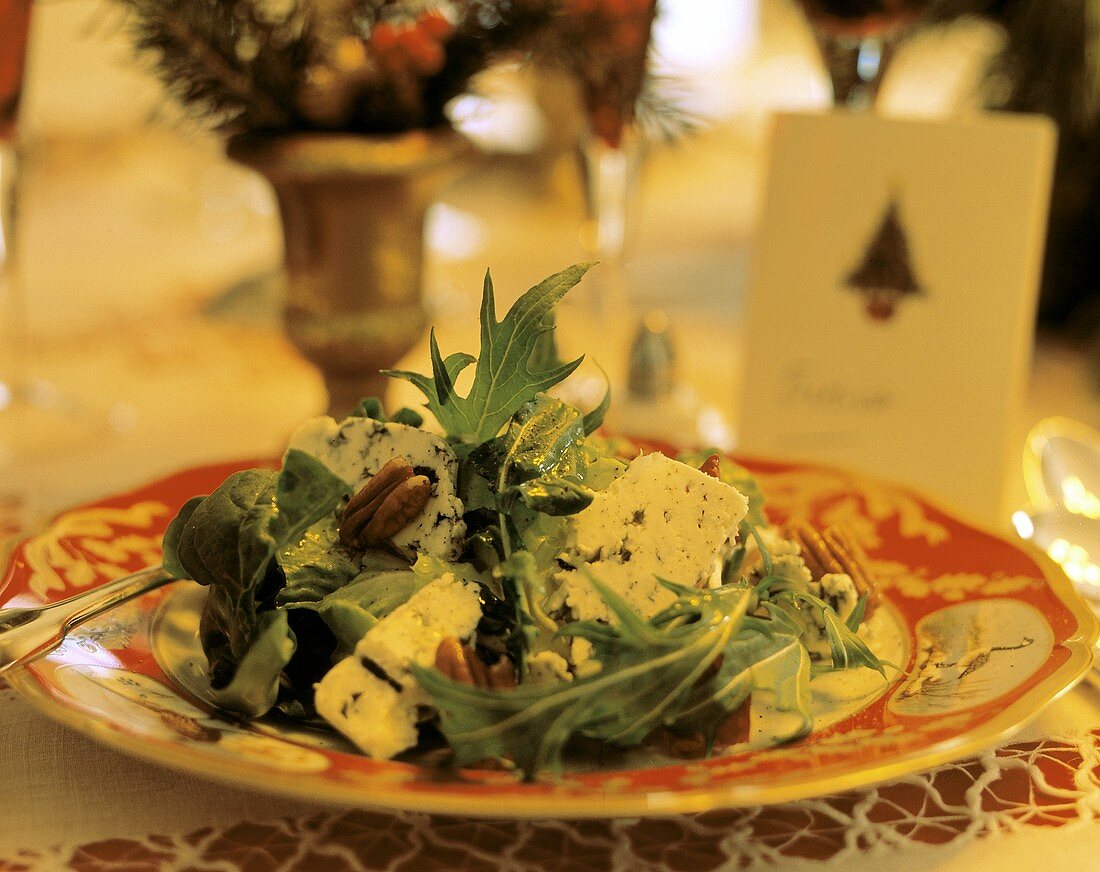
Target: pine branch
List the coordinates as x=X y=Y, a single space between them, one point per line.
x=196 y=52
x=660 y=111
x=318 y=65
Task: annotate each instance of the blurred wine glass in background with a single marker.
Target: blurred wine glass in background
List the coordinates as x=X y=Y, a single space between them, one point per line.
x=857 y=39
x=37 y=418
x=605 y=46
x=15 y=17
x=14 y=389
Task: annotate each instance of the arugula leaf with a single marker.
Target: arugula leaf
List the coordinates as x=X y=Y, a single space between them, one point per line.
x=545 y=354
x=846 y=649
x=745 y=661
x=594 y=419
x=524 y=587
x=856 y=617
x=508 y=372
x=648 y=672
x=787 y=674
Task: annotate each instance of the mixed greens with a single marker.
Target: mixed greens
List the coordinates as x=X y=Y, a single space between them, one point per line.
x=302 y=618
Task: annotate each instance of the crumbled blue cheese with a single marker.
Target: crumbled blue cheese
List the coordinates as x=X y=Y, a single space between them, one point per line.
x=371 y=696
x=546 y=667
x=659 y=518
x=357 y=448
x=786 y=558
x=837 y=589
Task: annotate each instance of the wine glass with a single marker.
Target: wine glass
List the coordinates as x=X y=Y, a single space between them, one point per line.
x=608 y=43
x=37 y=420
x=857 y=39
x=14 y=29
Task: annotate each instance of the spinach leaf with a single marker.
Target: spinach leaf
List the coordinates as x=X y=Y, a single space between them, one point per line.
x=170 y=544
x=227 y=541
x=371 y=407
x=543 y=436
x=356 y=607
x=539 y=459
x=555 y=495
x=254 y=686
x=509 y=373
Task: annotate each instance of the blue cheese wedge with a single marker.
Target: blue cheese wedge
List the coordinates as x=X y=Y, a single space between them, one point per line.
x=371 y=696
x=357 y=448
x=660 y=518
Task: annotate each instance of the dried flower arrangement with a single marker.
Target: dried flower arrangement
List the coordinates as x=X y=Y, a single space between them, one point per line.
x=354 y=65
x=381 y=65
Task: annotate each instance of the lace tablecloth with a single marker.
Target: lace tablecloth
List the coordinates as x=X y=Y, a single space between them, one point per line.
x=69 y=803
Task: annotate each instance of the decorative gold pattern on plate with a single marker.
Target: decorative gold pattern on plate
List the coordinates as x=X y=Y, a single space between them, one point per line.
x=87 y=546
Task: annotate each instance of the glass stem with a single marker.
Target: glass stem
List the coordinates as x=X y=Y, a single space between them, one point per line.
x=610 y=185
x=12 y=304
x=856 y=66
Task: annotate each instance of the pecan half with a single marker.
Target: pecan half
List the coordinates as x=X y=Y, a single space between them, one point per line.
x=460 y=663
x=833 y=550
x=710 y=466
x=389 y=502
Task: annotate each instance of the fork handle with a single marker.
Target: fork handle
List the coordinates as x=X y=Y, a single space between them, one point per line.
x=28 y=633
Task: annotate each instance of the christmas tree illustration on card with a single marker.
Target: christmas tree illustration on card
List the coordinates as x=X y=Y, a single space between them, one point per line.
x=885 y=276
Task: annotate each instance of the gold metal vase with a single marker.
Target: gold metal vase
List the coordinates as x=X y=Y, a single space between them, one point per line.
x=353 y=209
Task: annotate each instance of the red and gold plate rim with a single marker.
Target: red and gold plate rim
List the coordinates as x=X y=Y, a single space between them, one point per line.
x=872 y=746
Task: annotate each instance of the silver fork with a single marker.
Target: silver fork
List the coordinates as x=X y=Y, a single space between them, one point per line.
x=28 y=633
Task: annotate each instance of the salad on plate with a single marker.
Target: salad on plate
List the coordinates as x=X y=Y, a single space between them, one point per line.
x=509 y=585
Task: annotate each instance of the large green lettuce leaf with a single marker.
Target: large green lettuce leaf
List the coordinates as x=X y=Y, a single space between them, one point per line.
x=316 y=564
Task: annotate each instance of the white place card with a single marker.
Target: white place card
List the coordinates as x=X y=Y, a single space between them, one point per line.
x=892 y=297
